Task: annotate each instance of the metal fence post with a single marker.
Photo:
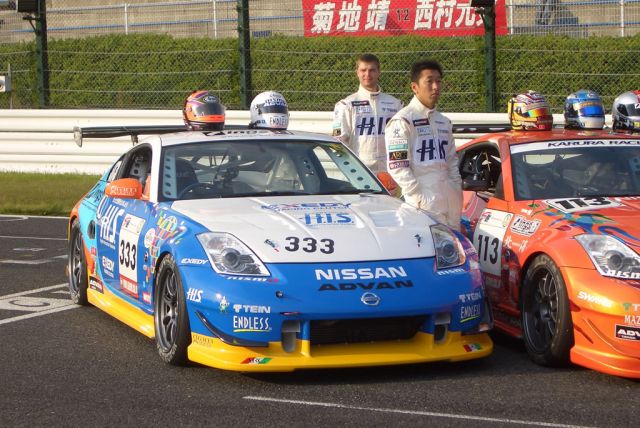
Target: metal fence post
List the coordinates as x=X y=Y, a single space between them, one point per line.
x=42 y=58
x=244 y=41
x=486 y=9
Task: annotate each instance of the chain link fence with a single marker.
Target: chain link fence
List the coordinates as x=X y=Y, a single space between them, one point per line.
x=151 y=54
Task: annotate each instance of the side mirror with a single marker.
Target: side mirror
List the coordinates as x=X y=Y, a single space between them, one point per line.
x=128 y=188
x=388 y=182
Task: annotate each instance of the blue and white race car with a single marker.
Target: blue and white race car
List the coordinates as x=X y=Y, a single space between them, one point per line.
x=258 y=250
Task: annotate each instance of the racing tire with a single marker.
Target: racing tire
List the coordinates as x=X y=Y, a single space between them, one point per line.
x=171 y=320
x=77 y=266
x=546 y=317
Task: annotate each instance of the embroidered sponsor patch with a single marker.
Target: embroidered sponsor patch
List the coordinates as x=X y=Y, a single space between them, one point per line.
x=399 y=164
x=398 y=155
x=403 y=146
x=421 y=122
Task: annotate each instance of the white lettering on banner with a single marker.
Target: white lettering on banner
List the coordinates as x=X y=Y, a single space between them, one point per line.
x=323 y=17
x=429 y=15
x=468 y=16
x=349 y=16
x=377 y=14
x=424 y=14
x=444 y=13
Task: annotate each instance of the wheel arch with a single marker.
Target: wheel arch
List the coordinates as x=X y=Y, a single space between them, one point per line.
x=525 y=269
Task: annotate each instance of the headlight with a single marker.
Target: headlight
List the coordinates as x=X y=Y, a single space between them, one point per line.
x=449 y=251
x=610 y=256
x=230 y=256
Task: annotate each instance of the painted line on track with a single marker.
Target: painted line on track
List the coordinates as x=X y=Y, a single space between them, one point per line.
x=413 y=412
x=25 y=217
x=33 y=237
x=36 y=310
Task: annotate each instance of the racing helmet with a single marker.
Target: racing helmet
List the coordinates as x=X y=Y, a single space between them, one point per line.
x=626 y=112
x=269 y=110
x=529 y=111
x=203 y=111
x=584 y=110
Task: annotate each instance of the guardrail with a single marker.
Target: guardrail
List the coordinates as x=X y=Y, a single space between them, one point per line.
x=42 y=140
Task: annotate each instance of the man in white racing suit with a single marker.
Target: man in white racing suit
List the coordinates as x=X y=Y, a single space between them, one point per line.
x=421 y=152
x=360 y=119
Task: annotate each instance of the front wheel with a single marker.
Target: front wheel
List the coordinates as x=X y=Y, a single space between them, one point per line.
x=77 y=266
x=546 y=318
x=171 y=321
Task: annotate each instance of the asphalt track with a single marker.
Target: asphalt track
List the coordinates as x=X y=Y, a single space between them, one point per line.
x=63 y=365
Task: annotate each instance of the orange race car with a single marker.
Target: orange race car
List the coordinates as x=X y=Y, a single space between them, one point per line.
x=555 y=218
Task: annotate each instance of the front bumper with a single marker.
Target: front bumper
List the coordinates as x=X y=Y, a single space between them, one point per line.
x=421 y=348
x=600 y=308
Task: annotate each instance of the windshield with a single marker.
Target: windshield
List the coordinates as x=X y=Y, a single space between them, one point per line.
x=564 y=169
x=229 y=169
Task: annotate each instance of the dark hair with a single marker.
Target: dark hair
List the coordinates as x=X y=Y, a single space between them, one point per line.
x=368 y=58
x=425 y=64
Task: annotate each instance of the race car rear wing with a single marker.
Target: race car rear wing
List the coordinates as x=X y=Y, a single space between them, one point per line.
x=80 y=133
x=481 y=128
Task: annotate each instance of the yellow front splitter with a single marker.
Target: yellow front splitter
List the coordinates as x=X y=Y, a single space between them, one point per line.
x=421 y=348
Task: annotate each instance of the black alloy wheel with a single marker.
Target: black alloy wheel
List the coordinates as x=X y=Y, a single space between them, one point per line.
x=546 y=317
x=171 y=321
x=77 y=266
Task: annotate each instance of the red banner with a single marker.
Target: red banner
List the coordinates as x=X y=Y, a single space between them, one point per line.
x=394 y=17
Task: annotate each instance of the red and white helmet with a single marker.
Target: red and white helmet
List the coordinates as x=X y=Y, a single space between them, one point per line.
x=529 y=111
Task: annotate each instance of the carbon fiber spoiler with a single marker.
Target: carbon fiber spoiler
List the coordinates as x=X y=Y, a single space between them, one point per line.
x=80 y=133
x=480 y=128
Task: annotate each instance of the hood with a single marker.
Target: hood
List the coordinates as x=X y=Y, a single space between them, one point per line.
x=617 y=216
x=319 y=229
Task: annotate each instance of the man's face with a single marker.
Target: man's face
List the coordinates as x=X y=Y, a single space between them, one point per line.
x=368 y=75
x=427 y=89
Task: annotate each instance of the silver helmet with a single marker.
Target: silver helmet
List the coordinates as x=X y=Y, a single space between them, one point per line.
x=626 y=112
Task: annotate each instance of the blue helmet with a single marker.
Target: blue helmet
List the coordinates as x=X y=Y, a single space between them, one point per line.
x=584 y=110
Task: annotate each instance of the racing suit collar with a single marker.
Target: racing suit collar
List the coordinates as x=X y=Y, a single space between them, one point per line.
x=368 y=94
x=418 y=106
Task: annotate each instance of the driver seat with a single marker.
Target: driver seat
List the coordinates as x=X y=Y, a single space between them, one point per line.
x=185 y=175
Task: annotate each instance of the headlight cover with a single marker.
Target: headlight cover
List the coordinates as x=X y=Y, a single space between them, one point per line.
x=449 y=251
x=229 y=256
x=610 y=256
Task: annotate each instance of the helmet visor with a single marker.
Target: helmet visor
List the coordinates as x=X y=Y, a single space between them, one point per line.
x=631 y=110
x=589 y=108
x=273 y=109
x=208 y=109
x=536 y=112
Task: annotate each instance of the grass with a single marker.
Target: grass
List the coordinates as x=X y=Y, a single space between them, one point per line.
x=42 y=194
